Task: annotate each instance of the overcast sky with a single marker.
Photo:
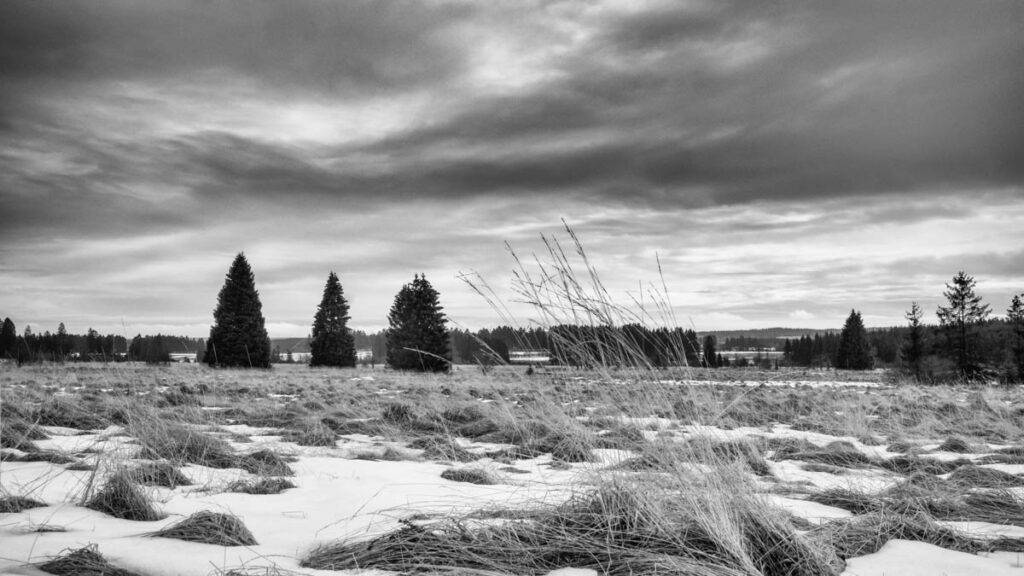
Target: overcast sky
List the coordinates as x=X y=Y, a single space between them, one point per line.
x=787 y=161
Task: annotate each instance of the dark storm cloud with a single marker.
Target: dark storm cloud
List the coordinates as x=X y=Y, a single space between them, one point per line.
x=310 y=43
x=787 y=101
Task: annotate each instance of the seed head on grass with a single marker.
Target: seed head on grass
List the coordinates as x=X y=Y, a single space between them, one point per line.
x=122 y=498
x=85 y=561
x=210 y=528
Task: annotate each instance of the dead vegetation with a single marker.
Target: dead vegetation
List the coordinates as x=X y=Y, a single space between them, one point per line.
x=86 y=561
x=615 y=530
x=209 y=528
x=121 y=498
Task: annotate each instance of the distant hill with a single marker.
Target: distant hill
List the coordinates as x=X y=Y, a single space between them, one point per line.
x=293 y=345
x=766 y=333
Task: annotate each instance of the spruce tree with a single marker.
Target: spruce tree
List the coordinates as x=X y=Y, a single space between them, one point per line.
x=913 y=348
x=1015 y=315
x=710 y=355
x=238 y=337
x=417 y=338
x=854 y=352
x=333 y=343
x=8 y=340
x=965 y=310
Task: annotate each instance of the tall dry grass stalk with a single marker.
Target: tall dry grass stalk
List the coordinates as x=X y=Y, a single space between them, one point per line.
x=690 y=509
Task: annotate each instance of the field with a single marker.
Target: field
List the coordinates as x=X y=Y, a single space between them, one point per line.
x=132 y=469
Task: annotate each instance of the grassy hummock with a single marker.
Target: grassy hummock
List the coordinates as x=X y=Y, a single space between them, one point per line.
x=210 y=528
x=121 y=497
x=623 y=529
x=85 y=561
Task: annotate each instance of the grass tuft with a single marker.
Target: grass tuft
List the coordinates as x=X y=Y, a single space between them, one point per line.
x=15 y=504
x=85 y=561
x=616 y=530
x=979 y=477
x=265 y=463
x=261 y=486
x=158 y=474
x=866 y=534
x=956 y=445
x=440 y=447
x=210 y=528
x=470 y=475
x=122 y=498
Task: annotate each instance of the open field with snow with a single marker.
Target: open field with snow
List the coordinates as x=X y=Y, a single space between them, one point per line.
x=184 y=470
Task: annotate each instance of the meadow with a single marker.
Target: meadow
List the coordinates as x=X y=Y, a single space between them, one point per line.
x=182 y=469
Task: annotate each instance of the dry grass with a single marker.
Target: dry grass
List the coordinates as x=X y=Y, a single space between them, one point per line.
x=866 y=534
x=85 y=561
x=261 y=486
x=209 y=528
x=122 y=498
x=469 y=475
x=157 y=474
x=15 y=504
x=625 y=529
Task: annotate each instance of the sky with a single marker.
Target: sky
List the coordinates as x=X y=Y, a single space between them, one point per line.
x=783 y=162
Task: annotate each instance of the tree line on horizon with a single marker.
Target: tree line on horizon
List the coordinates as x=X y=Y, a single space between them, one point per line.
x=966 y=343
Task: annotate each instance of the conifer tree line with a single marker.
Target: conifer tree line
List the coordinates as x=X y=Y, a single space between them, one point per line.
x=966 y=342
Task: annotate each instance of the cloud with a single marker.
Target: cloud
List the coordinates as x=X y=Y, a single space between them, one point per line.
x=772 y=157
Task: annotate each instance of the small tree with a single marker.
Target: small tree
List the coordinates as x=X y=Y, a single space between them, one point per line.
x=238 y=337
x=8 y=340
x=710 y=355
x=854 y=352
x=1015 y=315
x=333 y=343
x=417 y=338
x=965 y=310
x=912 y=351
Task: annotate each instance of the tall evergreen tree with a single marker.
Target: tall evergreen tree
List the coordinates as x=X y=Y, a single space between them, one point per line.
x=238 y=337
x=965 y=310
x=912 y=351
x=417 y=338
x=8 y=340
x=333 y=343
x=710 y=355
x=854 y=352
x=1015 y=315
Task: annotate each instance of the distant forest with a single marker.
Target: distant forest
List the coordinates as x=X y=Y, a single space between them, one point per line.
x=995 y=345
